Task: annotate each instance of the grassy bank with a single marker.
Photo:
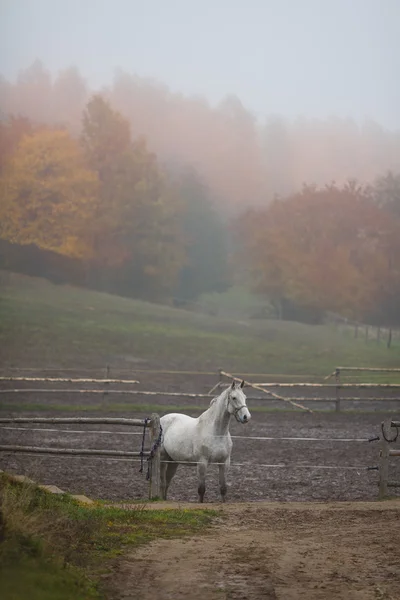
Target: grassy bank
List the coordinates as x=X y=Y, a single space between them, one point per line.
x=52 y=547
x=47 y=325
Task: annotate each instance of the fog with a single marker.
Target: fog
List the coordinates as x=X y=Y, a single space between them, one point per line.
x=288 y=57
x=146 y=148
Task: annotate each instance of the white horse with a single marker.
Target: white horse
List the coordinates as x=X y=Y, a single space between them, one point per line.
x=199 y=442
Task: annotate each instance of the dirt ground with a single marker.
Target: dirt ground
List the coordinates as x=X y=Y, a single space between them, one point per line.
x=262 y=469
x=269 y=551
x=276 y=538
x=283 y=470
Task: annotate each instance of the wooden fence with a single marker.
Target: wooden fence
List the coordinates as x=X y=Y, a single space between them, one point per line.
x=370 y=333
x=152 y=455
x=295 y=400
x=337 y=386
x=386 y=438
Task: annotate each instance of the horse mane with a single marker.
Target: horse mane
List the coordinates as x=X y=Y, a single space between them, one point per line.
x=216 y=397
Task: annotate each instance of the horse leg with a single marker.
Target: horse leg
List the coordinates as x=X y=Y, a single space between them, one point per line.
x=163 y=480
x=222 y=481
x=171 y=470
x=201 y=474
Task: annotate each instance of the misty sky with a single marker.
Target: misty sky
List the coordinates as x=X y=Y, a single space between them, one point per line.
x=290 y=57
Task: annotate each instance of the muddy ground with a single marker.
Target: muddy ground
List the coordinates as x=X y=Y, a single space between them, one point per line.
x=273 y=552
x=262 y=469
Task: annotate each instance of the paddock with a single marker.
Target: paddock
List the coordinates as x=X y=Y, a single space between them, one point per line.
x=281 y=455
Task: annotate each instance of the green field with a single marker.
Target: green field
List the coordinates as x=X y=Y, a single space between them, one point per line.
x=46 y=325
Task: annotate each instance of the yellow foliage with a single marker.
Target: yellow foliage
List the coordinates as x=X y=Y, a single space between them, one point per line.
x=48 y=195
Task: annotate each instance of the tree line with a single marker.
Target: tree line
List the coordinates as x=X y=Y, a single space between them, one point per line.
x=243 y=161
x=103 y=205
x=105 y=192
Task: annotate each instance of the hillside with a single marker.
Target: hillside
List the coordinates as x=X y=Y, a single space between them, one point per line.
x=42 y=324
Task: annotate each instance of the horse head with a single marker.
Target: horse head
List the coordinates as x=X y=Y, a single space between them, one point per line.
x=237 y=403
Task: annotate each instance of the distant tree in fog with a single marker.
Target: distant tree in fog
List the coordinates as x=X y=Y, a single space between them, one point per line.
x=324 y=249
x=207 y=266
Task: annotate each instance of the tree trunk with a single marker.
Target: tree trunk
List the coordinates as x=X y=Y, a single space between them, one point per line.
x=389 y=342
x=279 y=308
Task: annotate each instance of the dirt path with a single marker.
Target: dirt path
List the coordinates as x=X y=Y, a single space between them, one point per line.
x=274 y=551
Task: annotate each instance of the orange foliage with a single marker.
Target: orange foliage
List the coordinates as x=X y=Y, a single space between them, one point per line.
x=326 y=249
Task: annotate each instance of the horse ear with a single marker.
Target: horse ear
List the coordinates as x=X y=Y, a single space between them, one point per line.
x=233 y=385
x=242 y=384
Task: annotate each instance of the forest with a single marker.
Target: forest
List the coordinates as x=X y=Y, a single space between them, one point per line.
x=142 y=192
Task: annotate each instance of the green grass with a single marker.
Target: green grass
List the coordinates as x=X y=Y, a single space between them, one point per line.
x=53 y=547
x=39 y=579
x=47 y=325
x=236 y=301
x=164 y=409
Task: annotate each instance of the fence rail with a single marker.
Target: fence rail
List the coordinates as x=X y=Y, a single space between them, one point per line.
x=114 y=369
x=68 y=379
x=81 y=420
x=76 y=451
x=265 y=388
x=153 y=456
x=371 y=369
x=339 y=385
x=199 y=395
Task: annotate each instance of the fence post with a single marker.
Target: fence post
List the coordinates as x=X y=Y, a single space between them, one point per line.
x=383 y=463
x=105 y=393
x=155 y=463
x=337 y=379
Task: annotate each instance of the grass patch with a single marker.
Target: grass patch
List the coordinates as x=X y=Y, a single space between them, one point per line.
x=53 y=547
x=45 y=324
x=162 y=409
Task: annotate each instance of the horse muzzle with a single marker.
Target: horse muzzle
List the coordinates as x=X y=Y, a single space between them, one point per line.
x=243 y=415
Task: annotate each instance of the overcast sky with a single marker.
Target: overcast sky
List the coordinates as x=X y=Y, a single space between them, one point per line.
x=291 y=57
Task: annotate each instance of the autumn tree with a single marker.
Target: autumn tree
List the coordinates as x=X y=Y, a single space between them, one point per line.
x=137 y=223
x=221 y=143
x=324 y=249
x=241 y=160
x=12 y=130
x=386 y=192
x=47 y=195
